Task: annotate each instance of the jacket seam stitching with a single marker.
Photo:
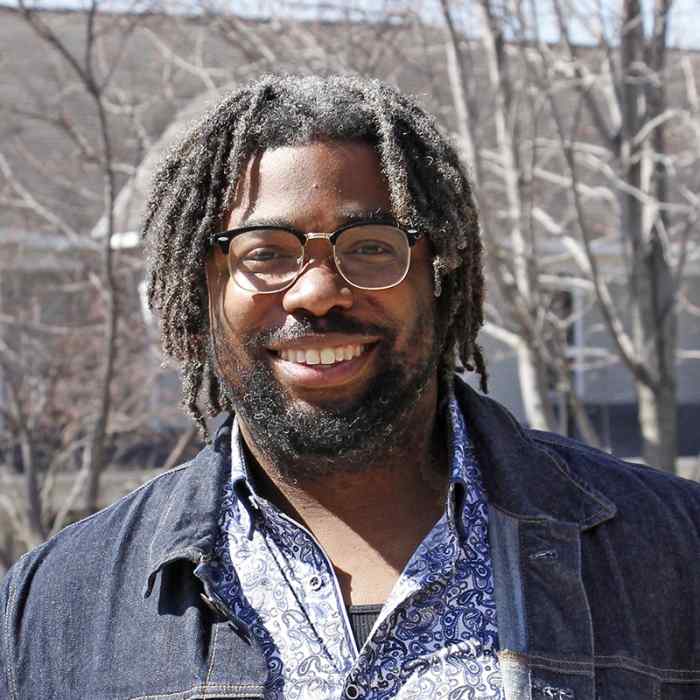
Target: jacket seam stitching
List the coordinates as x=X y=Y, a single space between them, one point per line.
x=203 y=688
x=661 y=674
x=626 y=663
x=150 y=548
x=574 y=666
x=213 y=656
x=11 y=672
x=584 y=592
x=537 y=519
x=561 y=466
x=172 y=556
x=554 y=666
x=523 y=585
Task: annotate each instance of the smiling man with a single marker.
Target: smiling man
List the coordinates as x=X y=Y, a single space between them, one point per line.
x=363 y=525
x=326 y=342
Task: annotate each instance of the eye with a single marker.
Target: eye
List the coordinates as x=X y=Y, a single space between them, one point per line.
x=264 y=248
x=370 y=248
x=262 y=255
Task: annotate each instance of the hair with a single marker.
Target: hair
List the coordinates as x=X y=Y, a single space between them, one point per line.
x=194 y=186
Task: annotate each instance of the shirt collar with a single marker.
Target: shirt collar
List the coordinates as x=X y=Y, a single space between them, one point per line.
x=240 y=473
x=464 y=484
x=465 y=488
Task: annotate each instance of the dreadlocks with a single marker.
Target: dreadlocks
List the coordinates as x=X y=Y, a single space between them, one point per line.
x=194 y=186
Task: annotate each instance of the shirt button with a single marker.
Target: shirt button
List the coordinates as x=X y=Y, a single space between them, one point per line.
x=352 y=692
x=316 y=584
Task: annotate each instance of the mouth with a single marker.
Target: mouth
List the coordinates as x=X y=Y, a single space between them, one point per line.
x=322 y=363
x=331 y=355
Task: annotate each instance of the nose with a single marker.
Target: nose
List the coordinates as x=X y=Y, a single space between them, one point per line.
x=318 y=289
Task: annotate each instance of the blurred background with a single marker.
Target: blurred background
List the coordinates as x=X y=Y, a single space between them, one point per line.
x=579 y=121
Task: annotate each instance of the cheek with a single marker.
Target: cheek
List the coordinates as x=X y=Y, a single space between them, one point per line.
x=227 y=313
x=236 y=316
x=419 y=303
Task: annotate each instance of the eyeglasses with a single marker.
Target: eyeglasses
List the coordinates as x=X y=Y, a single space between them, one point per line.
x=267 y=259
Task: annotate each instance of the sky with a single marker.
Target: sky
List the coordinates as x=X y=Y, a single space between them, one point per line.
x=684 y=25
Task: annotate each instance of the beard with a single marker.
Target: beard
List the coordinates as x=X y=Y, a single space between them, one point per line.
x=310 y=440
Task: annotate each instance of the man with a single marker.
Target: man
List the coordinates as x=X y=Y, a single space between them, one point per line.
x=364 y=525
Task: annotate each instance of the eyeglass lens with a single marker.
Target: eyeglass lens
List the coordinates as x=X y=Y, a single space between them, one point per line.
x=368 y=256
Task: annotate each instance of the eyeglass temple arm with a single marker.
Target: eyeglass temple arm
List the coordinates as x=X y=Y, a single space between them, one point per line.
x=223 y=240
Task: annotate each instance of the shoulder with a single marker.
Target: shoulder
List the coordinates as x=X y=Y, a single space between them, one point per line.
x=92 y=581
x=531 y=472
x=115 y=542
x=136 y=510
x=633 y=488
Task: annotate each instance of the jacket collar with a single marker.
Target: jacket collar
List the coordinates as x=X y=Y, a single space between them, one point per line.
x=189 y=519
x=522 y=478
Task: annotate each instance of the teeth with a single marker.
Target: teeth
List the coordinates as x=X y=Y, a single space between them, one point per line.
x=324 y=356
x=327 y=356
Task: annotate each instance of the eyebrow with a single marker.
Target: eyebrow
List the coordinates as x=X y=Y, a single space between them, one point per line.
x=378 y=216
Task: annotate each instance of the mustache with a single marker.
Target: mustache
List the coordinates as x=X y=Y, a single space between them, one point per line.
x=295 y=328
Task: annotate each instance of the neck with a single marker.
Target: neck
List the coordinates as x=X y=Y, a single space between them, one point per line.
x=370 y=520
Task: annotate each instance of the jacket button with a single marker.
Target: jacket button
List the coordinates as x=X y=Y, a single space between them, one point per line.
x=316 y=584
x=352 y=692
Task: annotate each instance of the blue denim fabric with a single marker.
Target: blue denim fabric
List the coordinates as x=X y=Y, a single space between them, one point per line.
x=596 y=565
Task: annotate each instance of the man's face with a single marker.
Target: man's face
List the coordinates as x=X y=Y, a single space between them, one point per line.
x=266 y=345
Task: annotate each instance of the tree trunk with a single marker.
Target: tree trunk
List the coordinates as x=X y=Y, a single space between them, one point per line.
x=94 y=459
x=651 y=283
x=658 y=421
x=533 y=387
x=458 y=88
x=531 y=370
x=175 y=456
x=656 y=326
x=31 y=481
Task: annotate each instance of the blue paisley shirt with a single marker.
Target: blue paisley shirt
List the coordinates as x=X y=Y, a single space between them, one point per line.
x=436 y=636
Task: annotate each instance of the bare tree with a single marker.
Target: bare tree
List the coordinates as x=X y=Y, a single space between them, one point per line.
x=94 y=78
x=67 y=387
x=577 y=153
x=628 y=108
x=499 y=143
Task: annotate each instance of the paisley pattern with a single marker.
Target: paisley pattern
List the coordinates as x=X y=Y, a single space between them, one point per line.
x=437 y=634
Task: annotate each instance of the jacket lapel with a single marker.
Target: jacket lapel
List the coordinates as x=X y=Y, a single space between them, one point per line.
x=537 y=511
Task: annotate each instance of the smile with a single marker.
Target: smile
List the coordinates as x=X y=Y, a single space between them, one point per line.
x=322 y=356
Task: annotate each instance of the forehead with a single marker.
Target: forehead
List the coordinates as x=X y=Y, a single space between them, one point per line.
x=321 y=181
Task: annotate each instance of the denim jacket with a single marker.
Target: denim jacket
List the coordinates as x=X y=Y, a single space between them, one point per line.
x=596 y=565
